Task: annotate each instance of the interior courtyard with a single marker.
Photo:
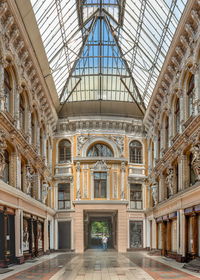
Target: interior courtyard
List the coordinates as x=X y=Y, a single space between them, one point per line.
x=99 y=139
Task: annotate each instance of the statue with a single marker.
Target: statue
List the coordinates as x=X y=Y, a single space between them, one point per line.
x=29 y=178
x=196 y=159
x=45 y=188
x=170 y=181
x=2 y=152
x=154 y=189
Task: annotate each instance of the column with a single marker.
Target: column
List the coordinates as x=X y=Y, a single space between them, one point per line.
x=18 y=169
x=123 y=170
x=56 y=234
x=29 y=132
x=44 y=148
x=17 y=106
x=79 y=230
x=154 y=235
x=182 y=235
x=196 y=90
x=170 y=128
x=195 y=234
x=108 y=185
x=162 y=188
x=46 y=238
x=92 y=184
x=122 y=230
x=169 y=241
x=182 y=112
x=19 y=235
x=38 y=138
x=155 y=148
x=184 y=174
x=2 y=95
x=78 y=174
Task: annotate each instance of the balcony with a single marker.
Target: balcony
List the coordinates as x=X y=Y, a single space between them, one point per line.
x=63 y=171
x=136 y=172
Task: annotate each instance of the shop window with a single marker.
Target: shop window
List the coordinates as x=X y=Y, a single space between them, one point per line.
x=100 y=150
x=64 y=196
x=22 y=113
x=100 y=182
x=7 y=90
x=136 y=234
x=136 y=196
x=64 y=151
x=177 y=116
x=190 y=95
x=7 y=167
x=135 y=152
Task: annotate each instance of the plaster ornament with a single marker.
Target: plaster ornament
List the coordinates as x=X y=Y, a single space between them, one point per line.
x=78 y=166
x=122 y=195
x=81 y=141
x=123 y=166
x=120 y=143
x=78 y=194
x=101 y=165
x=196 y=159
x=170 y=181
x=154 y=189
x=3 y=146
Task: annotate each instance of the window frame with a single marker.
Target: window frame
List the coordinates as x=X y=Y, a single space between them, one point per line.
x=64 y=201
x=67 y=155
x=100 y=186
x=132 y=158
x=132 y=191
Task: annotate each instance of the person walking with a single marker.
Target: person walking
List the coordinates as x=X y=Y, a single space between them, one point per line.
x=104 y=242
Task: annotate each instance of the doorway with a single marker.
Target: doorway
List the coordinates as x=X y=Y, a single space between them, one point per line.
x=96 y=226
x=64 y=235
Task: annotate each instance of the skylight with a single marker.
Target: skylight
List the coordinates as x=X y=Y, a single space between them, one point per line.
x=107 y=49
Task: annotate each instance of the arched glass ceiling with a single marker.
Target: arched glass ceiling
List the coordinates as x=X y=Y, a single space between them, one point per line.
x=107 y=49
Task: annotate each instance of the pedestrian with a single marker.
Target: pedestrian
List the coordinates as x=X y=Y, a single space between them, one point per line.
x=104 y=242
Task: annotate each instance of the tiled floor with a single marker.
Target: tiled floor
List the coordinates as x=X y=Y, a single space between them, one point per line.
x=109 y=265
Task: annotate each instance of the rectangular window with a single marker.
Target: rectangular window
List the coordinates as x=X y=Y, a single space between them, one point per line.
x=100 y=185
x=136 y=196
x=64 y=196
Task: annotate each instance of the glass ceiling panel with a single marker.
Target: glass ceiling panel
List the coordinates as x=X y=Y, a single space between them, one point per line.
x=107 y=49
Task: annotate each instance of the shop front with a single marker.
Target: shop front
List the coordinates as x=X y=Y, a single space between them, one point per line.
x=7 y=236
x=192 y=232
x=33 y=236
x=167 y=235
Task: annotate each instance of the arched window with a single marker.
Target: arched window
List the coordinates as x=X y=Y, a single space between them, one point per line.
x=7 y=167
x=64 y=151
x=135 y=152
x=7 y=90
x=22 y=113
x=190 y=94
x=100 y=150
x=177 y=116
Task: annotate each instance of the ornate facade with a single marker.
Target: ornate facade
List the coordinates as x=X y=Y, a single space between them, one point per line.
x=59 y=173
x=173 y=146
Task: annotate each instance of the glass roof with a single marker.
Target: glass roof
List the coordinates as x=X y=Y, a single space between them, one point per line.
x=107 y=49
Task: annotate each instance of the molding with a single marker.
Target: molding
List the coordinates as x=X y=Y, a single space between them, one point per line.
x=107 y=202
